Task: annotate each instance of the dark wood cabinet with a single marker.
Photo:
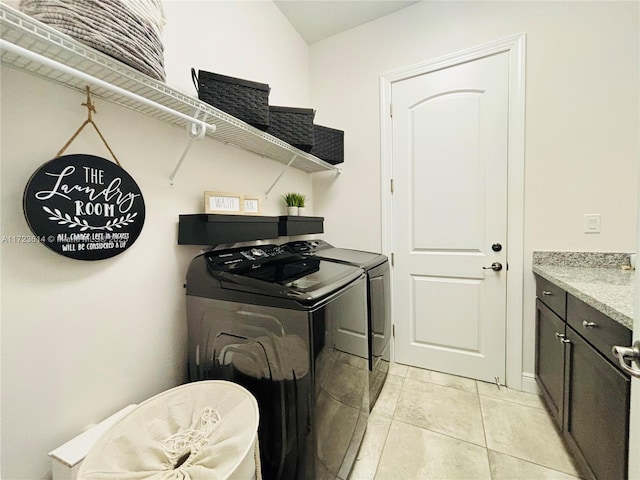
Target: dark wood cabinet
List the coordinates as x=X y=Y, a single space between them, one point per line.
x=550 y=330
x=585 y=391
x=596 y=425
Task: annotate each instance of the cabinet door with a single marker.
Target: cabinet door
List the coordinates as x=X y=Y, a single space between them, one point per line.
x=550 y=330
x=596 y=420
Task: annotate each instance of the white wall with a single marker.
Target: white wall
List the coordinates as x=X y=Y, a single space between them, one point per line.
x=248 y=39
x=81 y=340
x=582 y=126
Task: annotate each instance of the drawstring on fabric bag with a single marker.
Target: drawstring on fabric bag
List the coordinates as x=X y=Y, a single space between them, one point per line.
x=182 y=446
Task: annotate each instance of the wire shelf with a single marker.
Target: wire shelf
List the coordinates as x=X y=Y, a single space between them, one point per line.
x=68 y=56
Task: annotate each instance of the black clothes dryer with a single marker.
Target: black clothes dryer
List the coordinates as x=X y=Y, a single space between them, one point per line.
x=292 y=330
x=376 y=266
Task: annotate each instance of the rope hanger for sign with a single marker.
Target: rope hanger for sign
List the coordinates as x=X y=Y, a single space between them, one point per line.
x=90 y=110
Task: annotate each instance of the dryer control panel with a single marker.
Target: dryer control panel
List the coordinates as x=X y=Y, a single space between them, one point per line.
x=307 y=246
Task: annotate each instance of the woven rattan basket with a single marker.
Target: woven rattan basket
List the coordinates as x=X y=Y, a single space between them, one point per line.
x=328 y=144
x=127 y=30
x=292 y=125
x=244 y=99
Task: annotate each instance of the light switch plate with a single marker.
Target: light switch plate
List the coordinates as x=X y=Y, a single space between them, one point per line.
x=591 y=223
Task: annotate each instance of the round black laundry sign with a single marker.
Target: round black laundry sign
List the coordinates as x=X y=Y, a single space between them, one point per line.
x=84 y=207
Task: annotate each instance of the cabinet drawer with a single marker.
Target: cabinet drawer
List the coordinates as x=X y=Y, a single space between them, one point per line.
x=552 y=296
x=595 y=327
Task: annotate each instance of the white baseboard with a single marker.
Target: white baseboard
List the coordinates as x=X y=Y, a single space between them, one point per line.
x=529 y=384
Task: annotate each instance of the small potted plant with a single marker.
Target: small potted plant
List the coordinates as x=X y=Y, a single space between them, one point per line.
x=291 y=199
x=301 y=207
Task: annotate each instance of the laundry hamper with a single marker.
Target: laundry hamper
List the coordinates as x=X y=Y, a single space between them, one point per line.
x=199 y=431
x=127 y=30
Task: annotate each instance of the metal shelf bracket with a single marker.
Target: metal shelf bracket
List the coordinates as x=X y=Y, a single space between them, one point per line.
x=336 y=170
x=196 y=130
x=266 y=195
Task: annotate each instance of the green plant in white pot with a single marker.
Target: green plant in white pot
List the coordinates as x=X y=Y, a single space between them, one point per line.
x=301 y=206
x=291 y=199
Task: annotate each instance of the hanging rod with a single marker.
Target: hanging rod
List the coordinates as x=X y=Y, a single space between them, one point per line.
x=36 y=57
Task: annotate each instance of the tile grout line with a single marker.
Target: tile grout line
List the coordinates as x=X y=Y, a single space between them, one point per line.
x=391 y=418
x=484 y=431
x=384 y=444
x=529 y=460
x=436 y=432
x=547 y=467
x=475 y=390
x=487 y=393
x=439 y=385
x=393 y=414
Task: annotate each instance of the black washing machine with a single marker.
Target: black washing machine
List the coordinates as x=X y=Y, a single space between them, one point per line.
x=292 y=329
x=376 y=266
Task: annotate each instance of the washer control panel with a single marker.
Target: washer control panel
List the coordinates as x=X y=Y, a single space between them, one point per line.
x=245 y=258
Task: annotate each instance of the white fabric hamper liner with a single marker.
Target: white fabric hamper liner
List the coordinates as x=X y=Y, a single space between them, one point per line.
x=201 y=430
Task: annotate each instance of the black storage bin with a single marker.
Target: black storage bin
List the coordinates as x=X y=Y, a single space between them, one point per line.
x=288 y=225
x=328 y=144
x=246 y=100
x=292 y=125
x=210 y=229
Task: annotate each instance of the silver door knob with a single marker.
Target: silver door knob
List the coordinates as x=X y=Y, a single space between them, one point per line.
x=627 y=356
x=495 y=266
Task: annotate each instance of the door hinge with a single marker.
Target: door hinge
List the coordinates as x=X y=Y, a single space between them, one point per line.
x=391 y=183
x=391 y=110
x=392 y=259
x=393 y=331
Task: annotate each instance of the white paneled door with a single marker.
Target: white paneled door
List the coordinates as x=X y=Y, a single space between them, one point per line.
x=449 y=210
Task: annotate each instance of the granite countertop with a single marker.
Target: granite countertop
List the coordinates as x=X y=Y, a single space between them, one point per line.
x=599 y=280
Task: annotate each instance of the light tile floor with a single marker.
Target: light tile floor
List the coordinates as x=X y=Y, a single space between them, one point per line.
x=428 y=425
